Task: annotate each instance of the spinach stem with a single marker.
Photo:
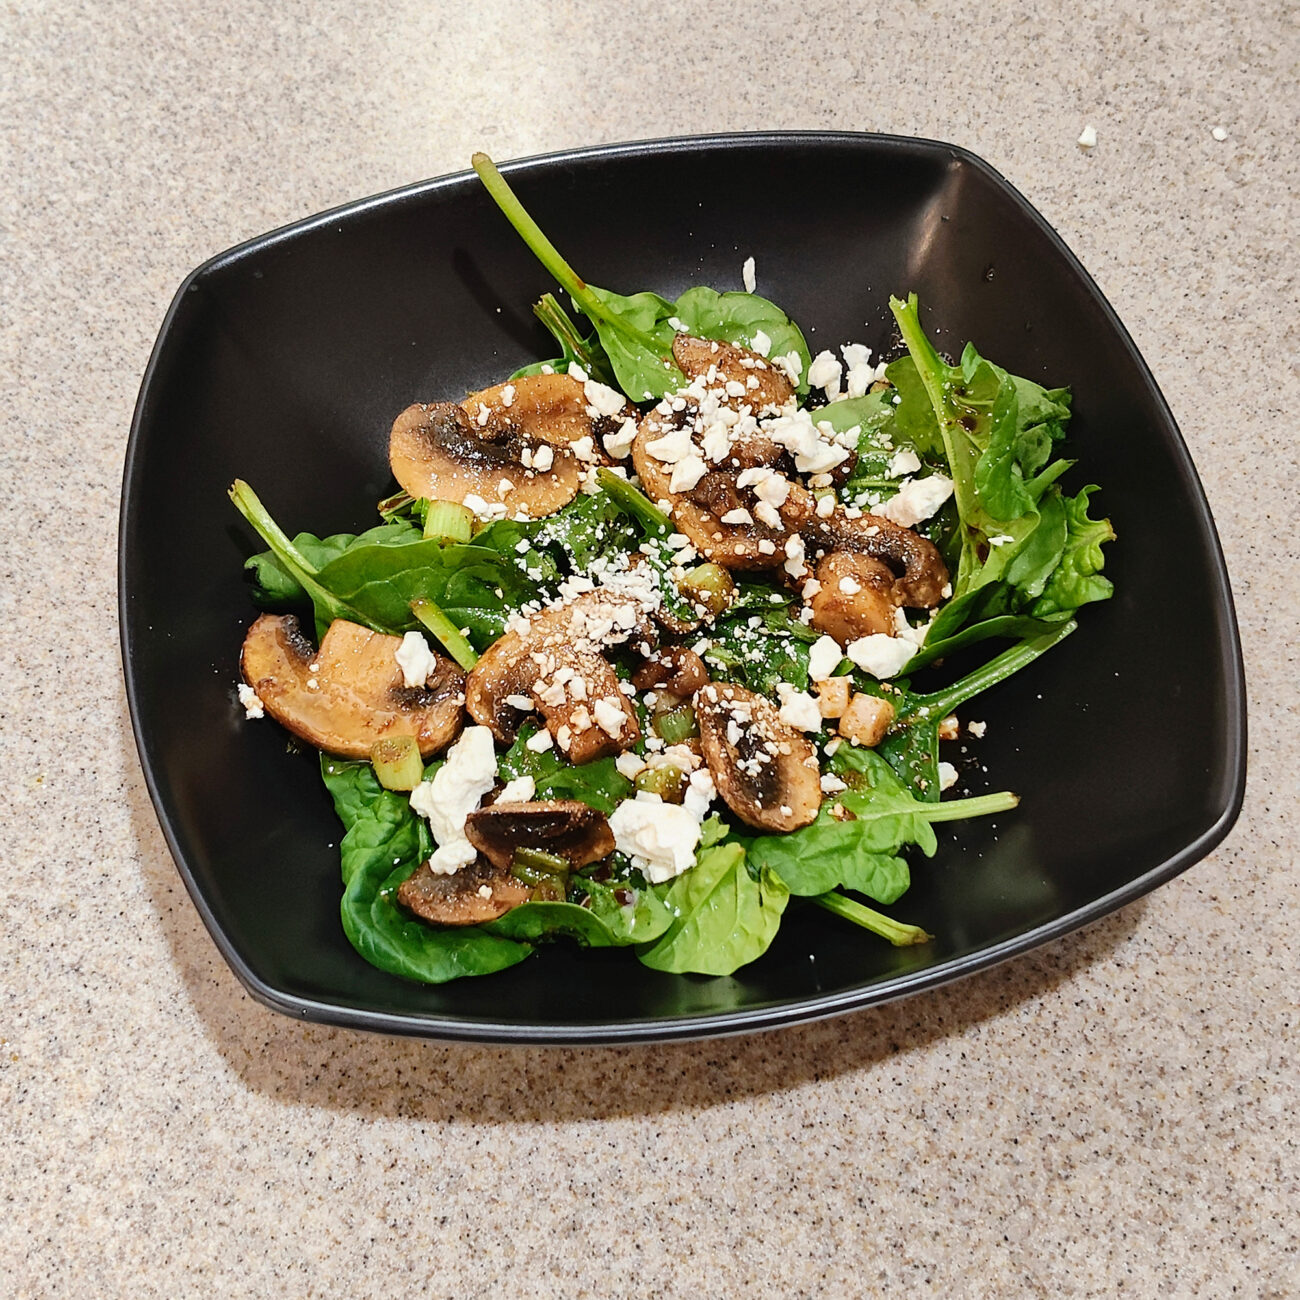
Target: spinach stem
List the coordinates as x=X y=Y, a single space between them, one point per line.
x=450 y=636
x=982 y=805
x=633 y=502
x=900 y=934
x=547 y=309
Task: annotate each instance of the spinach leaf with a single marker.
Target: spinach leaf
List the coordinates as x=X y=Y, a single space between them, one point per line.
x=603 y=923
x=600 y=785
x=723 y=918
x=1077 y=578
x=637 y=331
x=382 y=846
x=760 y=647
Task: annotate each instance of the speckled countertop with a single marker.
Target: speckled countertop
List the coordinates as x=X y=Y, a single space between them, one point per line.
x=1114 y=1114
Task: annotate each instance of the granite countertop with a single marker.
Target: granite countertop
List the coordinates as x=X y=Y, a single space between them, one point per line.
x=1112 y=1114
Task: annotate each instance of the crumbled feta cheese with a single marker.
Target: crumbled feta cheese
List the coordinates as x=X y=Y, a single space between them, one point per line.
x=849 y=586
x=660 y=838
x=1001 y=539
x=620 y=443
x=738 y=516
x=825 y=506
x=539 y=743
x=577 y=372
x=508 y=395
x=762 y=342
x=630 y=765
x=1088 y=137
x=672 y=447
x=824 y=657
x=486 y=510
x=825 y=373
x=484 y=891
x=249 y=699
x=606 y=400
x=947 y=776
x=455 y=791
x=977 y=729
x=881 y=656
x=917 y=499
x=415 y=659
x=794 y=556
x=904 y=462
x=687 y=473
x=831 y=784
x=798 y=708
x=543 y=458
x=519 y=790
x=700 y=793
x=791 y=364
x=747 y=275
x=610 y=717
x=766 y=547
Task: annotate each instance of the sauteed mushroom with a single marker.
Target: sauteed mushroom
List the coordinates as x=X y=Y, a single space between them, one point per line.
x=565 y=827
x=437 y=452
x=351 y=692
x=743 y=375
x=765 y=770
x=555 y=408
x=855 y=597
x=477 y=893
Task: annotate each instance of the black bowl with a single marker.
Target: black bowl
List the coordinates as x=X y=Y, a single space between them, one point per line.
x=284 y=361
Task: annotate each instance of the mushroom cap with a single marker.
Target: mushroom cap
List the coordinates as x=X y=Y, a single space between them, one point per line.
x=765 y=770
x=919 y=573
x=455 y=899
x=719 y=363
x=865 y=608
x=553 y=408
x=437 y=452
x=697 y=512
x=544 y=659
x=351 y=692
x=566 y=827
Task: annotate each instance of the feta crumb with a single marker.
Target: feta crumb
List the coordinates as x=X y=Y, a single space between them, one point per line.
x=998 y=539
x=831 y=784
x=415 y=659
x=747 y=275
x=539 y=743
x=578 y=373
x=660 y=838
x=977 y=729
x=249 y=699
x=610 y=717
x=881 y=656
x=737 y=516
x=798 y=708
x=1088 y=137
x=485 y=891
x=519 y=790
x=825 y=373
x=687 y=473
x=762 y=342
x=620 y=443
x=508 y=395
x=825 y=506
x=917 y=499
x=850 y=586
x=904 y=462
x=543 y=457
x=630 y=765
x=824 y=657
x=455 y=791
x=766 y=547
x=947 y=776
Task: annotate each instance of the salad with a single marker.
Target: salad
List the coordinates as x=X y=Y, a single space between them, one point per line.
x=637 y=654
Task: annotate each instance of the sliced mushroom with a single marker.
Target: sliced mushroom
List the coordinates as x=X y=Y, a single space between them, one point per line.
x=555 y=662
x=765 y=770
x=554 y=408
x=677 y=669
x=477 y=893
x=437 y=452
x=699 y=505
x=855 y=597
x=351 y=692
x=566 y=827
x=720 y=364
x=920 y=574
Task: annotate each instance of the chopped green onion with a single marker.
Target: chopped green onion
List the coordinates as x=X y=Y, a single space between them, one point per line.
x=449 y=520
x=539 y=860
x=451 y=637
x=397 y=762
x=709 y=585
x=676 y=724
x=667 y=781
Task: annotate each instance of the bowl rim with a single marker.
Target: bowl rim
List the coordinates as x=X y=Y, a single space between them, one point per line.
x=805 y=1010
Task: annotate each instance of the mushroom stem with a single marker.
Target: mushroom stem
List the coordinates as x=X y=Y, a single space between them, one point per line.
x=446 y=631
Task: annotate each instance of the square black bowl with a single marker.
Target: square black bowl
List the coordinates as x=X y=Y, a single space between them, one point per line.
x=284 y=361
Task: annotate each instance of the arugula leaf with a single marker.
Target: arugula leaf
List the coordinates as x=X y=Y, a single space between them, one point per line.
x=723 y=918
x=382 y=846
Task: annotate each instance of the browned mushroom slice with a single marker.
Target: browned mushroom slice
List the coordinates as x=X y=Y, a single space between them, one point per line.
x=765 y=771
x=555 y=408
x=351 y=692
x=721 y=364
x=470 y=896
x=437 y=452
x=555 y=664
x=565 y=827
x=920 y=575
x=855 y=598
